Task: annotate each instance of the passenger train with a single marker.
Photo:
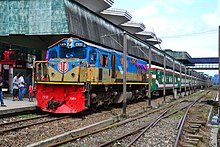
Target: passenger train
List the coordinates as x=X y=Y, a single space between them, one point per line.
x=79 y=75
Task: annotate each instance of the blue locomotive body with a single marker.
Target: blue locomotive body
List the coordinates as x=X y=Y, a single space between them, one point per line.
x=83 y=75
x=79 y=75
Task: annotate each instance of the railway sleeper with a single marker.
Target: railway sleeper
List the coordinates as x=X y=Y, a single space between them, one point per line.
x=195 y=130
x=192 y=139
x=198 y=122
x=194 y=136
x=188 y=130
x=186 y=145
x=195 y=125
x=191 y=142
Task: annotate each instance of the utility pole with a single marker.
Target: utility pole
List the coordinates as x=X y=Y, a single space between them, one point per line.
x=150 y=78
x=185 y=81
x=124 y=72
x=180 y=79
x=218 y=67
x=164 y=78
x=124 y=47
x=174 y=96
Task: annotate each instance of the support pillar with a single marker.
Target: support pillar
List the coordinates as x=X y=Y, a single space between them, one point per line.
x=175 y=94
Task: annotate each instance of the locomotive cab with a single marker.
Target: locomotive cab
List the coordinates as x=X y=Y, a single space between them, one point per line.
x=67 y=61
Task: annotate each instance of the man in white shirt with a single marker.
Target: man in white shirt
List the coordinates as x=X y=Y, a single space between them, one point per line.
x=16 y=87
x=21 y=86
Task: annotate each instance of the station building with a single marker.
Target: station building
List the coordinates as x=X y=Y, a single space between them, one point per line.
x=16 y=59
x=28 y=27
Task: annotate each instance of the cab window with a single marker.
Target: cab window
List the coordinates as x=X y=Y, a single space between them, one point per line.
x=76 y=52
x=92 y=56
x=104 y=60
x=52 y=54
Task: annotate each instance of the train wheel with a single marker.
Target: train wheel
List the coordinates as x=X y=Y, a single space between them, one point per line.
x=105 y=105
x=94 y=107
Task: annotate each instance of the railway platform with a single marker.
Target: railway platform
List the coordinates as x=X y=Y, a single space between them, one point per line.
x=17 y=106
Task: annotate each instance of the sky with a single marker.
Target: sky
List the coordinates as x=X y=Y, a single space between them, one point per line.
x=183 y=25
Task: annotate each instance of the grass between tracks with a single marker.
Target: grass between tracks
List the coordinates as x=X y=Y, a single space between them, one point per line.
x=26 y=116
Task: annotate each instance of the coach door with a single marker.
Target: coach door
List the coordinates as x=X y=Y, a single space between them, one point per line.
x=104 y=70
x=113 y=66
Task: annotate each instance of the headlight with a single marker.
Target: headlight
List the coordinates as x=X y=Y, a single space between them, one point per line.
x=52 y=74
x=73 y=75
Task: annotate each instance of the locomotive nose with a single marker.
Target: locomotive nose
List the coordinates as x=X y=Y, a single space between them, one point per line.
x=73 y=73
x=64 y=71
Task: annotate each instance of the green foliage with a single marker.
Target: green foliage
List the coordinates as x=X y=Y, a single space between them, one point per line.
x=178 y=115
x=114 y=126
x=26 y=116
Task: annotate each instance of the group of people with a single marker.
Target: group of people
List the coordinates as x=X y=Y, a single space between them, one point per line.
x=19 y=87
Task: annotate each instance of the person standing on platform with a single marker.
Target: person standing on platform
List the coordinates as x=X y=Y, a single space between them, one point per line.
x=28 y=82
x=16 y=87
x=31 y=93
x=21 y=86
x=1 y=84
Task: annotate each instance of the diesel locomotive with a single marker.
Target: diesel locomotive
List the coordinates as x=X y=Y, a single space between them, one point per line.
x=79 y=75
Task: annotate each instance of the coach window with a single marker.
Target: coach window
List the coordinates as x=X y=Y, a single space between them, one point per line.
x=104 y=60
x=171 y=79
x=92 y=56
x=52 y=54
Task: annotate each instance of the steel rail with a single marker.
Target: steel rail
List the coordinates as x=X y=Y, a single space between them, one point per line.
x=158 y=120
x=29 y=125
x=109 y=127
x=145 y=127
x=97 y=131
x=183 y=121
x=143 y=131
x=17 y=121
x=7 y=115
x=130 y=133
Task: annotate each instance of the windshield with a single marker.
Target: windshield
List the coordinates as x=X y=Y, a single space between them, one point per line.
x=73 y=53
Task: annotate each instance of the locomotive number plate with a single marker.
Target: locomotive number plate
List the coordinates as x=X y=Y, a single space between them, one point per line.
x=73 y=98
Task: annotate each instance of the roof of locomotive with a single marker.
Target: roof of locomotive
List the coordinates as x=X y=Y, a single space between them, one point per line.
x=91 y=44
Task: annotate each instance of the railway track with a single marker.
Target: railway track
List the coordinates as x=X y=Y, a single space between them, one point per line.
x=25 y=112
x=188 y=133
x=11 y=121
x=5 y=128
x=38 y=120
x=27 y=135
x=33 y=126
x=139 y=131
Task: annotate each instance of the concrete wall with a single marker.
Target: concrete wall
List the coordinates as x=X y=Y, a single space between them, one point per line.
x=32 y=17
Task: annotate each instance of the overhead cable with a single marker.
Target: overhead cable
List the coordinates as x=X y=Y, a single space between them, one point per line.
x=191 y=34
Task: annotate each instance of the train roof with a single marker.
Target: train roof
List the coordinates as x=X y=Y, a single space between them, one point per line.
x=90 y=44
